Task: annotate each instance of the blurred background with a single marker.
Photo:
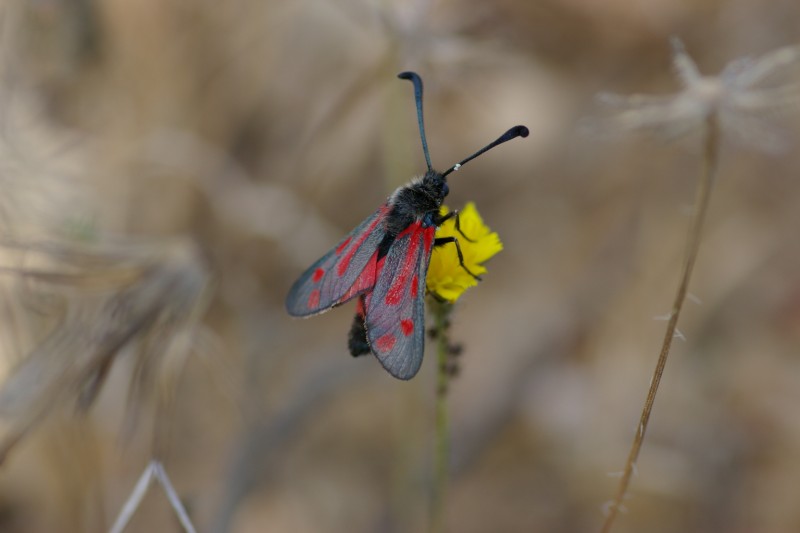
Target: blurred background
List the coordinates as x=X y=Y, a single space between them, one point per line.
x=168 y=169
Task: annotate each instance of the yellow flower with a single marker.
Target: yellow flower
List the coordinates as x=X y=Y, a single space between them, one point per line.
x=446 y=278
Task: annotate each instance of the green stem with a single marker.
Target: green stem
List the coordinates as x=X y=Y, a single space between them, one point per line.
x=441 y=313
x=703 y=196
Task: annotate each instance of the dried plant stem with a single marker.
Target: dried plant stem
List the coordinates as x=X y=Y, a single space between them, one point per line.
x=441 y=315
x=153 y=470
x=703 y=195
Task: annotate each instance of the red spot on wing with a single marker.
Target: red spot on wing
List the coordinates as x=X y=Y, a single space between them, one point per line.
x=360 y=310
x=385 y=343
x=313 y=299
x=345 y=262
x=365 y=280
x=407 y=325
x=318 y=273
x=428 y=234
x=341 y=247
x=395 y=293
x=378 y=269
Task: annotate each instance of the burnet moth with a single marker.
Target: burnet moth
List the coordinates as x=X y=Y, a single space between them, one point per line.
x=384 y=261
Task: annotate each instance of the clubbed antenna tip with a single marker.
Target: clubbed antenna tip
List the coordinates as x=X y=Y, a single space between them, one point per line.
x=513 y=133
x=414 y=78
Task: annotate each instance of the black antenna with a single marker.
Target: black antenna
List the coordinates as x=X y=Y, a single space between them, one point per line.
x=513 y=133
x=417 y=81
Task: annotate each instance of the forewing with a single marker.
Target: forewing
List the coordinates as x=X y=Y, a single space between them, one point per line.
x=347 y=270
x=395 y=310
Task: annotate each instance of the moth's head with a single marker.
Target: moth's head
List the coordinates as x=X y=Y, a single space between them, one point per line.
x=435 y=184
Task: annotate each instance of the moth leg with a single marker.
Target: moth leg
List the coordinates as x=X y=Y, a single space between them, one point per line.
x=450 y=215
x=446 y=240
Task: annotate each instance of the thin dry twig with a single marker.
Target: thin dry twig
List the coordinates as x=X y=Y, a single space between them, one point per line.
x=154 y=469
x=703 y=197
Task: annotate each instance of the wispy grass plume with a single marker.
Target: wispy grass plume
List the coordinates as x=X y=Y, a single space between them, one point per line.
x=748 y=99
x=147 y=299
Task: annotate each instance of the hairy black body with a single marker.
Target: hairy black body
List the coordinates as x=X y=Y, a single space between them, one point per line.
x=419 y=201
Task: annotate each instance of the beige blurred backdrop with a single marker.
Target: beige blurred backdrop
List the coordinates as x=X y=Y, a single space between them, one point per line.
x=254 y=134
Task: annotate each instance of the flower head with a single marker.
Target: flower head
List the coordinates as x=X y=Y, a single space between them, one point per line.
x=447 y=279
x=745 y=97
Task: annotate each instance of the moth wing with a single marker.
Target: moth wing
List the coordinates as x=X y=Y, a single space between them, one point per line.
x=395 y=309
x=347 y=270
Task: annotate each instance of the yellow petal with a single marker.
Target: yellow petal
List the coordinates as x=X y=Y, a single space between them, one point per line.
x=447 y=279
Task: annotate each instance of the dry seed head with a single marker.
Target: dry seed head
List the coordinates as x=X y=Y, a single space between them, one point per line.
x=749 y=98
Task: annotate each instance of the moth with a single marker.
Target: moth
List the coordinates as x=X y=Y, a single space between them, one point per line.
x=384 y=262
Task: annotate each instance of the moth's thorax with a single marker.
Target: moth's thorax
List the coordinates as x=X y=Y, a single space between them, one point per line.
x=417 y=201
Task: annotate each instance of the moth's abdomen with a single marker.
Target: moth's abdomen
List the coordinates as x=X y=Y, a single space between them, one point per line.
x=357 y=337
